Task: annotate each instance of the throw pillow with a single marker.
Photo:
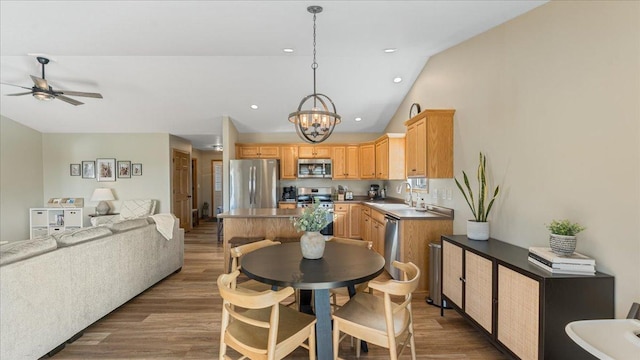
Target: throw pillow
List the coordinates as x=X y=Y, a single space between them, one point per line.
x=20 y=250
x=132 y=209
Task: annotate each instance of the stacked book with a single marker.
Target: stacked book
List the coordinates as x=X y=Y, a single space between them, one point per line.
x=575 y=264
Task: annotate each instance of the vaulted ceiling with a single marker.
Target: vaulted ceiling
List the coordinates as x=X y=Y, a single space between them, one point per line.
x=181 y=66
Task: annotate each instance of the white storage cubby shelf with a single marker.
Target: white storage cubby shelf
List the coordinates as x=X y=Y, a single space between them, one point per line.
x=48 y=221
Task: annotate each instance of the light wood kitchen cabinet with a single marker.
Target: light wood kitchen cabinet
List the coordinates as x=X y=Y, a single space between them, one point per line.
x=377 y=231
x=289 y=162
x=314 y=152
x=355 y=212
x=340 y=217
x=368 y=161
x=257 y=151
x=286 y=205
x=429 y=144
x=520 y=307
x=390 y=146
x=346 y=220
x=346 y=162
x=365 y=223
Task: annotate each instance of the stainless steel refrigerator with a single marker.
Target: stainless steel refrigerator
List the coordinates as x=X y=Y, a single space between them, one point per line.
x=254 y=183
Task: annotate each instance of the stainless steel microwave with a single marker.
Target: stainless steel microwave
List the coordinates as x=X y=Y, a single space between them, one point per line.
x=314 y=168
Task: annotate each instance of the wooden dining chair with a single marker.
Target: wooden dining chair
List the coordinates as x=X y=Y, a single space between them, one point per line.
x=377 y=319
x=236 y=263
x=343 y=291
x=258 y=327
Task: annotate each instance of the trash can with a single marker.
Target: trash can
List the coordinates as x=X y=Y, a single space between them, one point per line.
x=435 y=295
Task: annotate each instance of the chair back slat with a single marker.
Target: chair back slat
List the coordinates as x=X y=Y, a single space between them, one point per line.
x=246 y=300
x=247 y=320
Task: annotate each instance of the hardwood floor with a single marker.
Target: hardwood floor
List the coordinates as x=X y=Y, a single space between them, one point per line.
x=179 y=318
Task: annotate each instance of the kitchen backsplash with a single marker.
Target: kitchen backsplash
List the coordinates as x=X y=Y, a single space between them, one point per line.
x=440 y=192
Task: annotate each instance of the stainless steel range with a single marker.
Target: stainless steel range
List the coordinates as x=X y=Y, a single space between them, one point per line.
x=306 y=196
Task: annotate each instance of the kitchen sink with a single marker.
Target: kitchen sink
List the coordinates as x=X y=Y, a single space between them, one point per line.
x=390 y=207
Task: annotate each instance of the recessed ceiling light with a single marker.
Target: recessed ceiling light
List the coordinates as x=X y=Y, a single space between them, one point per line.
x=390 y=50
x=358 y=119
x=397 y=79
x=254 y=107
x=287 y=50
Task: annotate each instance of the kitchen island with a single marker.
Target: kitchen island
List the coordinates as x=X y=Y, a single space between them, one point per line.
x=264 y=223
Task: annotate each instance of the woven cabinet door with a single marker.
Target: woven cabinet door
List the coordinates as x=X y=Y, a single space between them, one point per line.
x=518 y=313
x=452 y=272
x=478 y=302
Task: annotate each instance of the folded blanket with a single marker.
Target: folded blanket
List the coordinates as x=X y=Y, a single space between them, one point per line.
x=165 y=224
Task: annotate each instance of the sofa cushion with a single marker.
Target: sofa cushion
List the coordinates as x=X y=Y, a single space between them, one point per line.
x=73 y=237
x=132 y=209
x=20 y=250
x=128 y=224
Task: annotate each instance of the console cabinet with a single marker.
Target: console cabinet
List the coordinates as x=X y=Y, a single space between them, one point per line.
x=521 y=308
x=49 y=221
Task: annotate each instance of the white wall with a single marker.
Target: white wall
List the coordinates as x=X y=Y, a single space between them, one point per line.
x=151 y=150
x=20 y=178
x=552 y=98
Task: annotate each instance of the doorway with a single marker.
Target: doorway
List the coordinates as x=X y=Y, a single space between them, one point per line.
x=195 y=191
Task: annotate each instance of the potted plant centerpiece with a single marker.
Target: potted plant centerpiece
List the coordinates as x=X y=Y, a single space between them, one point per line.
x=311 y=221
x=478 y=228
x=563 y=236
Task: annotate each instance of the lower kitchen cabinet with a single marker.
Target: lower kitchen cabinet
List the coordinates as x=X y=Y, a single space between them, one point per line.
x=520 y=307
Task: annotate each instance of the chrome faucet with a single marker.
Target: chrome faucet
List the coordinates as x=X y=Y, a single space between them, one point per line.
x=410 y=193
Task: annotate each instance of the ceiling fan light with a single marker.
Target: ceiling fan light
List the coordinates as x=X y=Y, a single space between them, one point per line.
x=42 y=96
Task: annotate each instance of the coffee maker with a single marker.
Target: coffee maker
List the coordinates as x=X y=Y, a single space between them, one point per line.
x=289 y=193
x=374 y=191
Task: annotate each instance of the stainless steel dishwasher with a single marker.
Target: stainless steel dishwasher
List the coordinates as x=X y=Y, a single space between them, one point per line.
x=391 y=245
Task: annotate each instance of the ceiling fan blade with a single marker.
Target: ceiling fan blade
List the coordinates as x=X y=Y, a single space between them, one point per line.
x=69 y=100
x=24 y=87
x=20 y=94
x=79 y=93
x=40 y=83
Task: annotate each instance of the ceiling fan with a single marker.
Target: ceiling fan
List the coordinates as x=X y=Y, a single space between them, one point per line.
x=43 y=91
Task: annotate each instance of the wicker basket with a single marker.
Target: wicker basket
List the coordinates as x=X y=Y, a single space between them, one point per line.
x=562 y=245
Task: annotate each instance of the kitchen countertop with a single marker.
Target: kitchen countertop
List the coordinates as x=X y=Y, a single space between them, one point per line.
x=260 y=213
x=398 y=210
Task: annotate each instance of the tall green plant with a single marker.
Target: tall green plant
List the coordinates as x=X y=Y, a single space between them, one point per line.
x=480 y=212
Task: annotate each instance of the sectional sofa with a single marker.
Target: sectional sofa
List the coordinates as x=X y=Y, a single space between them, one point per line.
x=51 y=289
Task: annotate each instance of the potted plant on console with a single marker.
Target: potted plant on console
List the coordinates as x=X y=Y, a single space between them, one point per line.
x=563 y=236
x=311 y=221
x=478 y=228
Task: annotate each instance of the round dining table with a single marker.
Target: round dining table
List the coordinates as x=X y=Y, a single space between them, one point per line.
x=342 y=265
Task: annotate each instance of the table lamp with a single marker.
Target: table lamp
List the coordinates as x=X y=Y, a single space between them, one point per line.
x=102 y=195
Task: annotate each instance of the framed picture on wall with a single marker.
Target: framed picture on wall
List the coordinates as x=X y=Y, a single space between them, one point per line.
x=124 y=169
x=106 y=169
x=74 y=169
x=136 y=169
x=89 y=169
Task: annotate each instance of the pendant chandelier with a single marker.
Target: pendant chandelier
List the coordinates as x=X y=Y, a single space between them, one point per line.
x=314 y=120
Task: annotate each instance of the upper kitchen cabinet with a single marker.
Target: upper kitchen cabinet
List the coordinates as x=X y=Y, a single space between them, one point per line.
x=390 y=146
x=314 y=152
x=429 y=144
x=368 y=161
x=257 y=151
x=288 y=162
x=346 y=162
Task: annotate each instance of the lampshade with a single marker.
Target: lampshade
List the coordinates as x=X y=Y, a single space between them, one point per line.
x=102 y=194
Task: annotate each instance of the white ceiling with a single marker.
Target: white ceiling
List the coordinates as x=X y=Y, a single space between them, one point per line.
x=180 y=66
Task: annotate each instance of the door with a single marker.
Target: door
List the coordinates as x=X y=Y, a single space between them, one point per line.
x=181 y=186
